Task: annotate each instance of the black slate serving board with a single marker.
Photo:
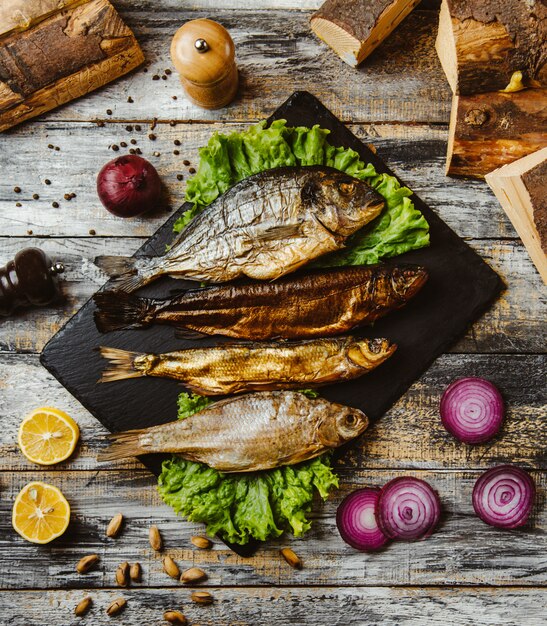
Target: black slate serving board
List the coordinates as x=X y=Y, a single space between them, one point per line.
x=461 y=286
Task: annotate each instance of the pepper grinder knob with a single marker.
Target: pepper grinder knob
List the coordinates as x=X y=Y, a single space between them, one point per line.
x=203 y=54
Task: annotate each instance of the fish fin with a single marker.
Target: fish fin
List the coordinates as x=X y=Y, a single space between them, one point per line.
x=279 y=232
x=127 y=273
x=118 y=309
x=123 y=445
x=122 y=362
x=183 y=333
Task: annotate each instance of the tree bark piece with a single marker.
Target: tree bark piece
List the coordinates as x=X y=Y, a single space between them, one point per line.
x=354 y=28
x=64 y=56
x=481 y=43
x=521 y=188
x=492 y=129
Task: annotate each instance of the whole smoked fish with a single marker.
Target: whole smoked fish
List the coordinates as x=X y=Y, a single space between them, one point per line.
x=256 y=431
x=317 y=304
x=235 y=368
x=265 y=226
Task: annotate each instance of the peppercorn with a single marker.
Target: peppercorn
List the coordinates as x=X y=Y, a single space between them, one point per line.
x=129 y=128
x=177 y=142
x=47 y=181
x=167 y=71
x=18 y=204
x=176 y=152
x=123 y=144
x=145 y=70
x=164 y=77
x=133 y=141
x=180 y=177
x=115 y=147
x=57 y=148
x=55 y=205
x=138 y=128
x=155 y=77
x=29 y=232
x=17 y=189
x=138 y=151
x=109 y=111
x=152 y=137
x=174 y=97
x=172 y=123
x=35 y=196
x=92 y=231
x=130 y=100
x=67 y=197
x=50 y=146
x=131 y=150
x=186 y=162
x=192 y=170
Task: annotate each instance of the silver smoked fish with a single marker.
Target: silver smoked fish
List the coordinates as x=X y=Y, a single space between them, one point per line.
x=265 y=226
x=256 y=431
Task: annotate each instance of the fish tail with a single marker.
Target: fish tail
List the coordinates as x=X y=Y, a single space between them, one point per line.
x=123 y=365
x=123 y=445
x=128 y=273
x=118 y=309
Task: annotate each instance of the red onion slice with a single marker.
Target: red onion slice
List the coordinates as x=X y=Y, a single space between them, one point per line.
x=408 y=509
x=356 y=520
x=503 y=496
x=472 y=410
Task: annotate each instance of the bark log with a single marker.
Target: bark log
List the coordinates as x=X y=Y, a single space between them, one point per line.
x=354 y=28
x=521 y=188
x=492 y=129
x=62 y=57
x=481 y=43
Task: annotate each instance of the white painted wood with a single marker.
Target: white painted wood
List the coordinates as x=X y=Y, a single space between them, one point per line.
x=463 y=551
x=416 y=154
x=389 y=443
x=358 y=606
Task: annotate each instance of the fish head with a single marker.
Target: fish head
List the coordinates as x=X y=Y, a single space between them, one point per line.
x=341 y=425
x=368 y=353
x=408 y=280
x=343 y=204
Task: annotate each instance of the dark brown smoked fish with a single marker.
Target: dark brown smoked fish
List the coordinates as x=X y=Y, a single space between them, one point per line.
x=265 y=226
x=317 y=304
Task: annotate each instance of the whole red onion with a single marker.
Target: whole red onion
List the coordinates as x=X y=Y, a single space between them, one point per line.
x=129 y=186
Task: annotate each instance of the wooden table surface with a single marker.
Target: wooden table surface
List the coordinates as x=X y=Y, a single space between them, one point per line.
x=468 y=572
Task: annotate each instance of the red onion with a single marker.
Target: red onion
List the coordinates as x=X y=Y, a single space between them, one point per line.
x=472 y=410
x=503 y=496
x=128 y=186
x=356 y=520
x=408 y=509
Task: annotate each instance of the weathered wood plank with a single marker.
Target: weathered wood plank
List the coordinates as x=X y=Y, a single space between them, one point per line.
x=373 y=606
x=390 y=443
x=515 y=323
x=463 y=551
x=276 y=54
x=416 y=154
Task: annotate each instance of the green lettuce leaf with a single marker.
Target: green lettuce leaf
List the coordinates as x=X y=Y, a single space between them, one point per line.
x=259 y=505
x=227 y=159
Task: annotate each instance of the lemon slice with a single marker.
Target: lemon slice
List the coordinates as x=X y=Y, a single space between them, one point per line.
x=40 y=513
x=48 y=436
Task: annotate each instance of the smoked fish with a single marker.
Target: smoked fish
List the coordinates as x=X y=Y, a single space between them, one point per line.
x=265 y=226
x=317 y=304
x=236 y=368
x=256 y=431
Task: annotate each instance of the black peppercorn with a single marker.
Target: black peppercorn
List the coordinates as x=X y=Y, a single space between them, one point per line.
x=115 y=147
x=180 y=177
x=50 y=146
x=138 y=127
x=129 y=128
x=68 y=197
x=47 y=181
x=176 y=152
x=152 y=137
x=133 y=141
x=168 y=71
x=186 y=162
x=18 y=204
x=123 y=144
x=155 y=77
x=55 y=205
x=172 y=123
x=177 y=142
x=35 y=196
x=109 y=111
x=17 y=189
x=138 y=151
x=130 y=99
x=131 y=150
x=192 y=170
x=92 y=231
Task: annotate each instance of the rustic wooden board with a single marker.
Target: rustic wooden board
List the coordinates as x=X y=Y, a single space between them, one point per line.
x=463 y=551
x=390 y=443
x=277 y=53
x=373 y=606
x=416 y=153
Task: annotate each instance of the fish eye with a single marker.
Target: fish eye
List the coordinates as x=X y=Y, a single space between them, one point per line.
x=351 y=419
x=346 y=188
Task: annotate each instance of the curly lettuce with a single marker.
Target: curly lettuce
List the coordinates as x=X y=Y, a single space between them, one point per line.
x=258 y=505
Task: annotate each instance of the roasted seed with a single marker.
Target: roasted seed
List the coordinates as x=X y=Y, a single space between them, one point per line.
x=86 y=563
x=202 y=542
x=175 y=617
x=193 y=575
x=155 y=538
x=202 y=597
x=83 y=606
x=116 y=606
x=170 y=567
x=292 y=559
x=122 y=574
x=135 y=572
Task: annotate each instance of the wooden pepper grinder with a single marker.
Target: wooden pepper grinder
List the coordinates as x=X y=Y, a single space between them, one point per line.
x=204 y=55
